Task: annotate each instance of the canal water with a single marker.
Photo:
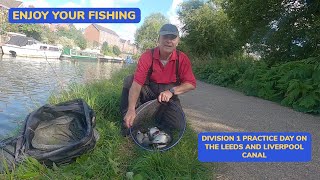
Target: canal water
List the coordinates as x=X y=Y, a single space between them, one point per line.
x=26 y=84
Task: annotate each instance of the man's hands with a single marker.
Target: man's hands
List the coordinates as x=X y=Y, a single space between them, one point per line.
x=165 y=96
x=129 y=118
x=133 y=97
x=131 y=113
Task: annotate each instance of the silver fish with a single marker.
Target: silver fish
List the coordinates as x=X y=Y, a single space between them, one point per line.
x=146 y=141
x=161 y=140
x=153 y=132
x=140 y=137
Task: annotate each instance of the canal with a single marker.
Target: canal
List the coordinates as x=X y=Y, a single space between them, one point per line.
x=26 y=84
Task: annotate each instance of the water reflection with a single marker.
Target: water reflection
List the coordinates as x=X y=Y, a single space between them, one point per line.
x=26 y=83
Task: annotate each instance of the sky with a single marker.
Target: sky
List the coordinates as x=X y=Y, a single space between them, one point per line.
x=126 y=31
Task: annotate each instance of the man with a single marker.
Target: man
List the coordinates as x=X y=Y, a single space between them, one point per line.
x=162 y=71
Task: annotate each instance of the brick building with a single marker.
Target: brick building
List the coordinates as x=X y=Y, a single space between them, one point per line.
x=128 y=47
x=97 y=35
x=7 y=4
x=55 y=27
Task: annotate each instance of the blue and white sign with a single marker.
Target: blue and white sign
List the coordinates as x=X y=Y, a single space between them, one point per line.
x=254 y=147
x=74 y=15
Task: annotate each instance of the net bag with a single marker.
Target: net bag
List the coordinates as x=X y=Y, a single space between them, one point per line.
x=55 y=133
x=7 y=148
x=158 y=126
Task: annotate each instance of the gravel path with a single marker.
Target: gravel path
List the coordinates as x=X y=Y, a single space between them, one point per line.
x=212 y=108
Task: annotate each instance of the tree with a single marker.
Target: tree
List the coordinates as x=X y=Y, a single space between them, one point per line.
x=48 y=36
x=135 y=57
x=31 y=30
x=207 y=29
x=74 y=34
x=116 y=50
x=81 y=42
x=187 y=8
x=95 y=44
x=280 y=30
x=106 y=50
x=66 y=42
x=147 y=35
x=3 y=21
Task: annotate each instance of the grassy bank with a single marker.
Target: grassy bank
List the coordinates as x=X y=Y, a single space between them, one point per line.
x=117 y=157
x=294 y=84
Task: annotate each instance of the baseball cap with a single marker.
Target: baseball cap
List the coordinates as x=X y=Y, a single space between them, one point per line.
x=169 y=29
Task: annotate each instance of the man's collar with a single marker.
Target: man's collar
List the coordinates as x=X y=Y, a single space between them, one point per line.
x=156 y=54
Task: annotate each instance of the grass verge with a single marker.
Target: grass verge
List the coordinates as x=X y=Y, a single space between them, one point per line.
x=116 y=157
x=294 y=84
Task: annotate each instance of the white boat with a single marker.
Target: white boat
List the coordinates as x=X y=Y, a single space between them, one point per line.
x=29 y=47
x=110 y=59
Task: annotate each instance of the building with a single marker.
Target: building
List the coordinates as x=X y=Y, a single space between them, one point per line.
x=97 y=35
x=5 y=5
x=128 y=47
x=55 y=27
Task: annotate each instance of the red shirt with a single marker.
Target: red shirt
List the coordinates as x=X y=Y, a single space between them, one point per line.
x=164 y=74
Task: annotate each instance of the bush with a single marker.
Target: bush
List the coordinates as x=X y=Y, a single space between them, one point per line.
x=295 y=84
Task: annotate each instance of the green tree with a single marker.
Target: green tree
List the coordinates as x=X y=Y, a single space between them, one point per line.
x=106 y=50
x=147 y=35
x=188 y=7
x=74 y=34
x=8 y=27
x=116 y=50
x=280 y=30
x=30 y=30
x=36 y=31
x=136 y=56
x=95 y=44
x=66 y=42
x=81 y=42
x=207 y=29
x=3 y=21
x=48 y=36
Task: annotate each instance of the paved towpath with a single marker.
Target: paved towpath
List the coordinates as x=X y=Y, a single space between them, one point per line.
x=212 y=108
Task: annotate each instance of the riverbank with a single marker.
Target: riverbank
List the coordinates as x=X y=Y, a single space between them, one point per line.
x=116 y=157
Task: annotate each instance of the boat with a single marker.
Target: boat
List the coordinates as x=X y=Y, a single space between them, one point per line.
x=75 y=54
x=23 y=46
x=111 y=59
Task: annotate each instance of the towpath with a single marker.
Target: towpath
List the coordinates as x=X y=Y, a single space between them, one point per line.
x=213 y=108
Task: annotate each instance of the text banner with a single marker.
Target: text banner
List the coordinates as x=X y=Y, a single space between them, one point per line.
x=74 y=15
x=254 y=147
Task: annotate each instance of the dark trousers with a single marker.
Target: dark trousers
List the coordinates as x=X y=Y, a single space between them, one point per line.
x=168 y=114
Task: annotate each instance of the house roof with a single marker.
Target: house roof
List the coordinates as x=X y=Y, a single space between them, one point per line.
x=122 y=40
x=101 y=28
x=10 y=3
